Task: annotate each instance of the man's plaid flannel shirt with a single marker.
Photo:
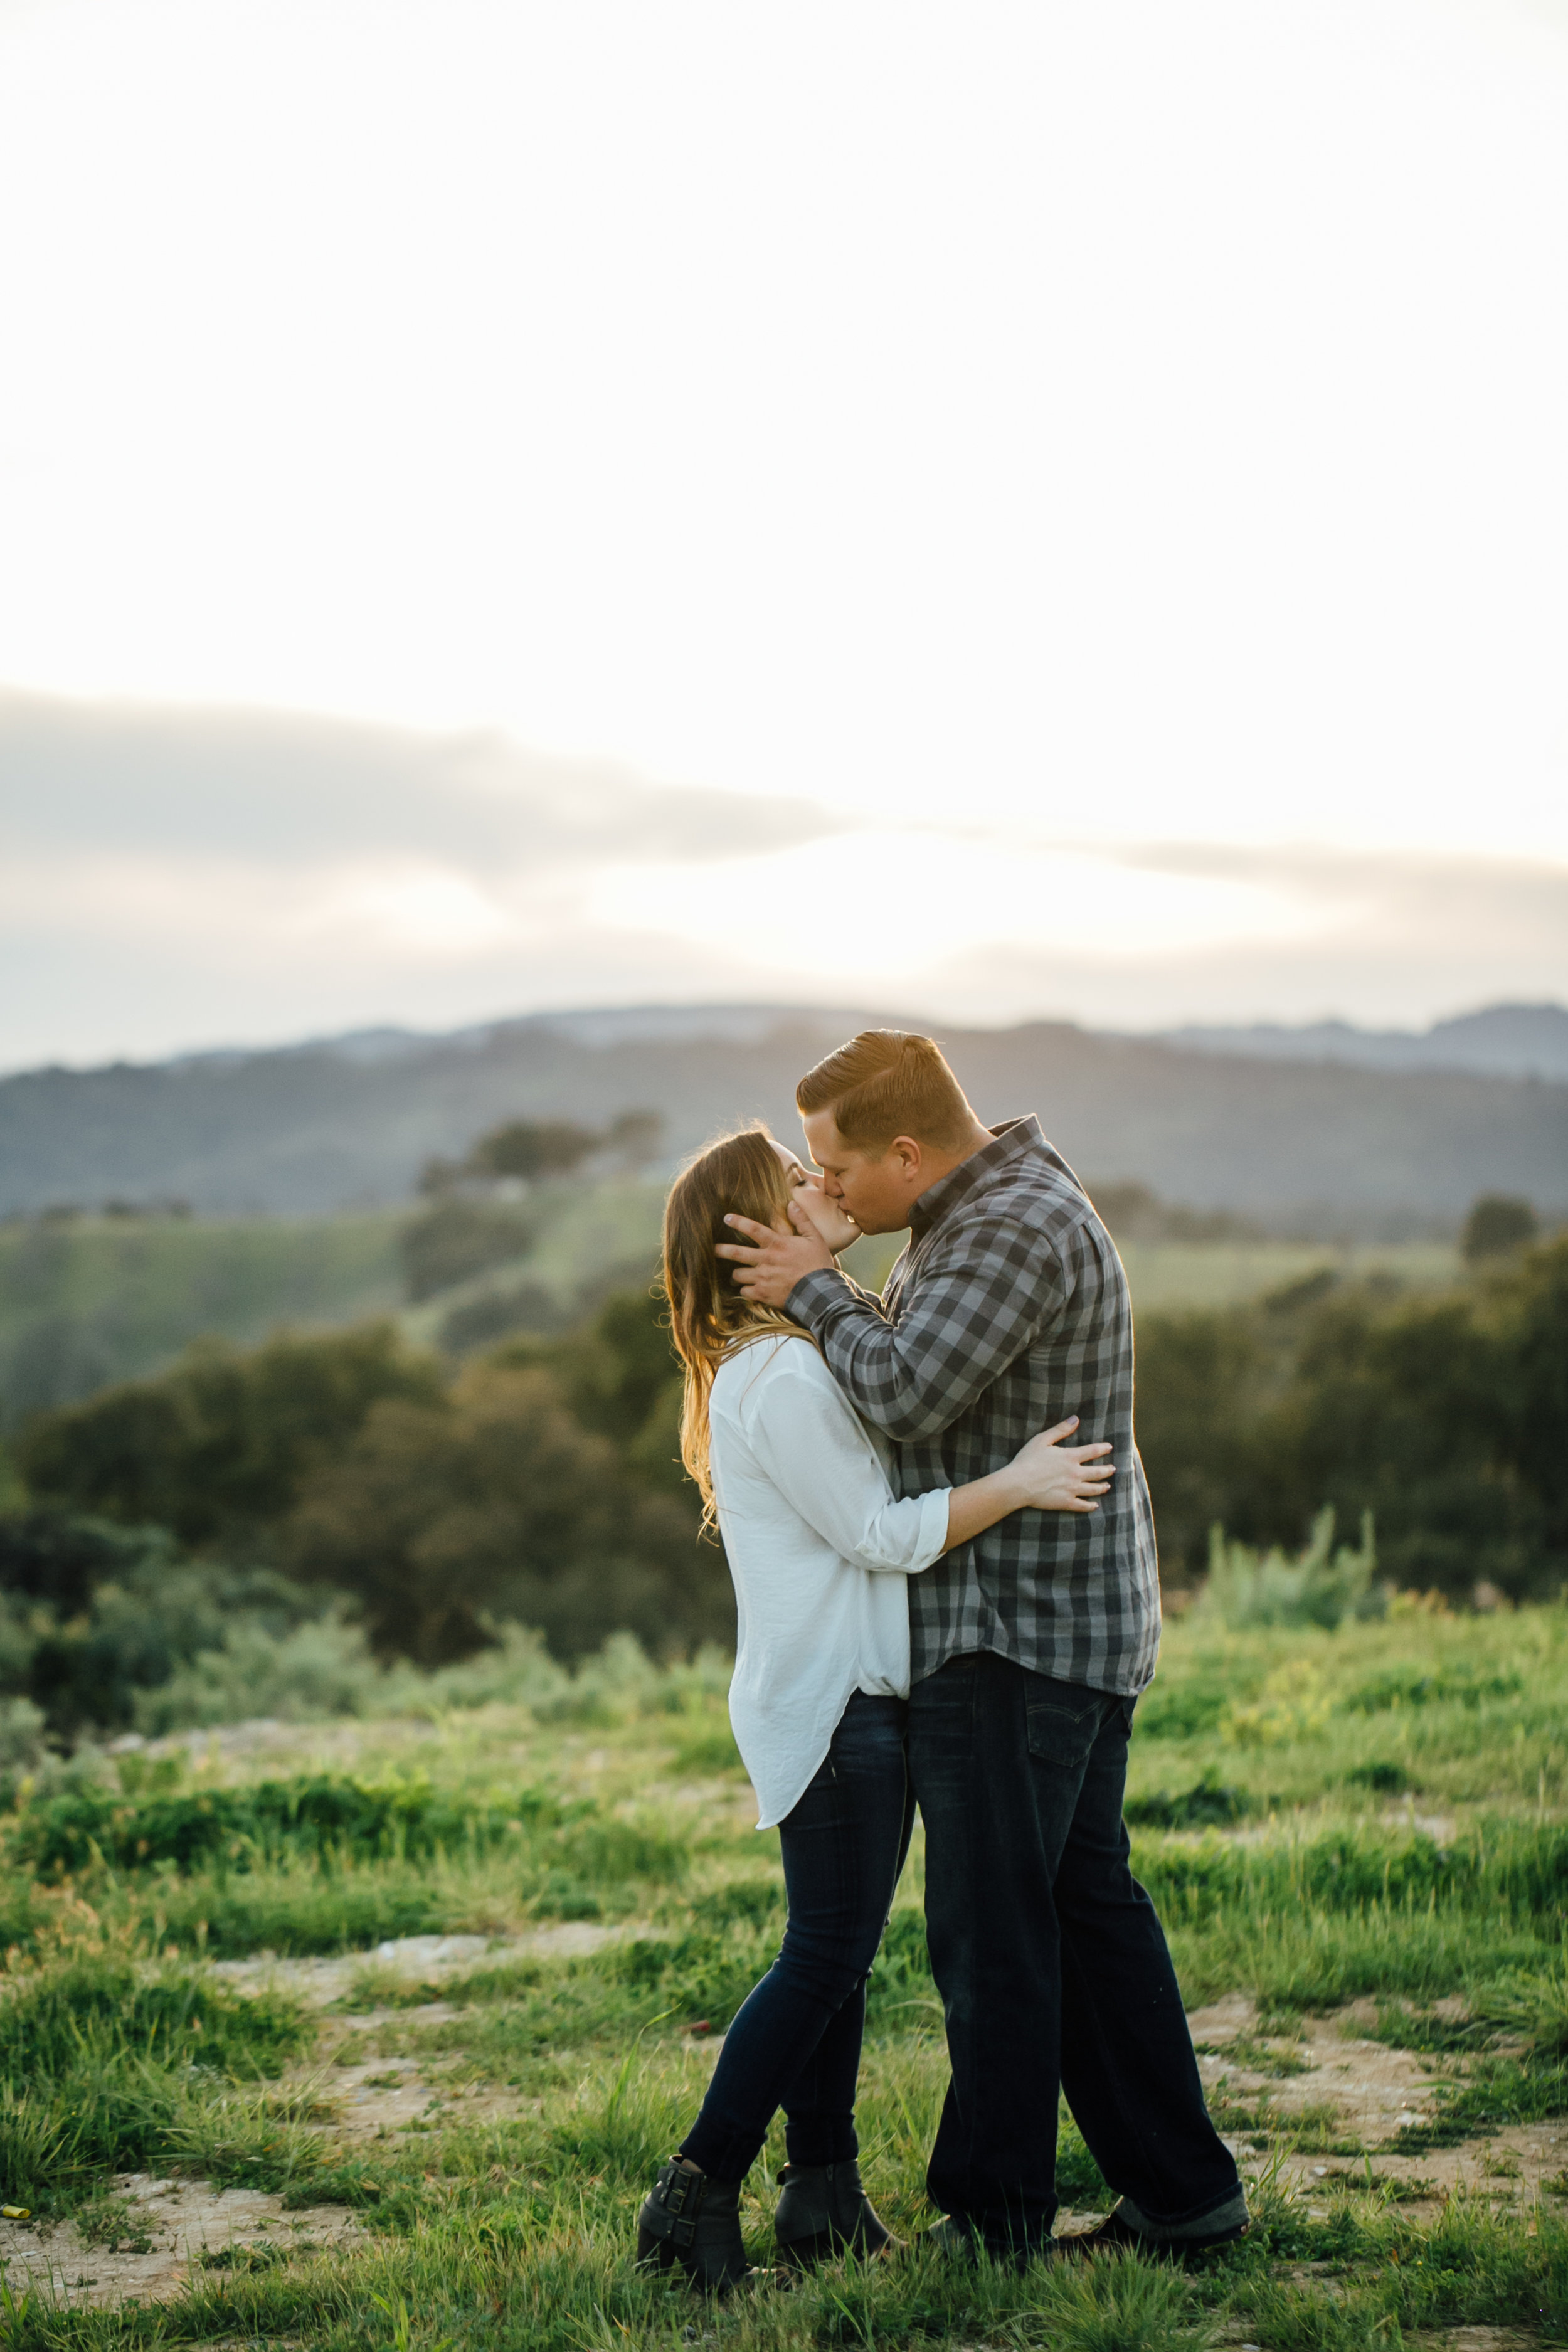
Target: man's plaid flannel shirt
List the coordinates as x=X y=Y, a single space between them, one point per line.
x=1007 y=1311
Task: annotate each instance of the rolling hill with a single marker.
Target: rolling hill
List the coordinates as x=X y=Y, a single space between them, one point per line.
x=1301 y=1145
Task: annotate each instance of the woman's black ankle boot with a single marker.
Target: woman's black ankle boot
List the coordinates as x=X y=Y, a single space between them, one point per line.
x=692 y=2222
x=824 y=2211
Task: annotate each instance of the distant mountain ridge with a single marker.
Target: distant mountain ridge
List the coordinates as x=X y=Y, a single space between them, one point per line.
x=613 y=1024
x=1303 y=1139
x=1507 y=1041
x=1511 y=1041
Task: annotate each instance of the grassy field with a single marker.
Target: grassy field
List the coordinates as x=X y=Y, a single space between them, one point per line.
x=93 y=1300
x=97 y=1299
x=589 y=1235
x=505 y=1926
x=1174 y=1275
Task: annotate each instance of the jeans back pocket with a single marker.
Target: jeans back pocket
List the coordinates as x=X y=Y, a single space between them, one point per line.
x=1062 y=1734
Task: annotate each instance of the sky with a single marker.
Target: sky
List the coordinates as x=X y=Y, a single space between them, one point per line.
x=1002 y=510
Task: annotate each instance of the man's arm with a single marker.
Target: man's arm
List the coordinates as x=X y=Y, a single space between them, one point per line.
x=993 y=1288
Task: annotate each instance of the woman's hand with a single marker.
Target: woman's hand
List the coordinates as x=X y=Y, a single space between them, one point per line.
x=1061 y=1478
x=1044 y=1475
x=812 y=1211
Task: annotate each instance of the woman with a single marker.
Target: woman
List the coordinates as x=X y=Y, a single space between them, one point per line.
x=818 y=1550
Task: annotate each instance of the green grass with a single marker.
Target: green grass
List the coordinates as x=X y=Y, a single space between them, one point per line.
x=1165 y=1276
x=93 y=1300
x=100 y=1299
x=1288 y=1862
x=588 y=1235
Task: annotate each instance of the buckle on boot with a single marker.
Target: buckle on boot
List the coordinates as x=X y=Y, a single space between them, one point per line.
x=683 y=2188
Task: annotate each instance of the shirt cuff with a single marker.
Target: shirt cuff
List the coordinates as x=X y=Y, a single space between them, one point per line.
x=933 y=1528
x=816 y=1294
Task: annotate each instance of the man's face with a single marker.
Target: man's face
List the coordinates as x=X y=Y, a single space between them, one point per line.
x=877 y=1189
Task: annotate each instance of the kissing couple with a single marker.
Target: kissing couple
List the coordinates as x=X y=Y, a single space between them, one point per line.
x=941 y=1603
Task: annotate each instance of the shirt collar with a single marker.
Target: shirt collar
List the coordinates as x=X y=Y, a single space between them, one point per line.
x=1009 y=1142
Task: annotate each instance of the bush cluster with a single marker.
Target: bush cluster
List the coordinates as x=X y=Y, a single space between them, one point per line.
x=95 y=1617
x=198 y=1542
x=540 y=1487
x=1442 y=1415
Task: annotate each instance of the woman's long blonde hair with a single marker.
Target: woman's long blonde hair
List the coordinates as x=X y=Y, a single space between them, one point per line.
x=710 y=1318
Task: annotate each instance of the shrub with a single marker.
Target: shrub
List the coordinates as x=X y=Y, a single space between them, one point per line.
x=496 y=1500
x=223 y=1442
x=541 y=1487
x=1497 y=1226
x=317 y=1669
x=93 y=1618
x=325 y=1668
x=319 y=1815
x=459 y=1238
x=1322 y=1586
x=1441 y=1415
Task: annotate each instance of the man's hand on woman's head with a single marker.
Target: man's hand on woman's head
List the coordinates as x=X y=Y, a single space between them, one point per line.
x=770 y=1259
x=811 y=1211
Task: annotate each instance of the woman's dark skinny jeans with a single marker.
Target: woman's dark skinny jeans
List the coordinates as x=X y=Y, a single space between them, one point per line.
x=796 y=2040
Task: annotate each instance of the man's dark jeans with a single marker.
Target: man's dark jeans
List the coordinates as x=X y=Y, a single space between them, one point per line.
x=796 y=2040
x=1051 y=1959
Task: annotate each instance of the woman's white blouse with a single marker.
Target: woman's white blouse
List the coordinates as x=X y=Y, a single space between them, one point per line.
x=818 y=1551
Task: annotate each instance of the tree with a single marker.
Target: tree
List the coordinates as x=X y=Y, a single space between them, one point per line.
x=222 y=1441
x=457 y=1239
x=531 y=1148
x=637 y=1136
x=496 y=1502
x=1441 y=1414
x=622 y=1378
x=542 y=1485
x=1391 y=1407
x=1498 y=1225
x=1131 y=1213
x=535 y=1148
x=1531 y=1312
x=1196 y=1381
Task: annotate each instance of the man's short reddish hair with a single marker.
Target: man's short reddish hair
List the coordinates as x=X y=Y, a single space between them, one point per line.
x=888 y=1082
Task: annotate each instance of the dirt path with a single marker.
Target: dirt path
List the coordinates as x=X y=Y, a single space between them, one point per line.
x=1332 y=2076
x=419 y=1960
x=1374 y=2091
x=167 y=2230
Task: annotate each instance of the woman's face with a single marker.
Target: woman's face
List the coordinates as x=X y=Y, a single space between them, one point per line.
x=832 y=1221
x=795 y=1173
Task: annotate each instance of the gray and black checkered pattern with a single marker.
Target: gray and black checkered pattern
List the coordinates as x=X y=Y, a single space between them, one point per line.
x=1007 y=1311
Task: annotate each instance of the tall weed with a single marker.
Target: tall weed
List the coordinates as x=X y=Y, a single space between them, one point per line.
x=1322 y=1585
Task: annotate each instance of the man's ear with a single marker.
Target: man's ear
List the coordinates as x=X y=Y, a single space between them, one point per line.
x=906 y=1152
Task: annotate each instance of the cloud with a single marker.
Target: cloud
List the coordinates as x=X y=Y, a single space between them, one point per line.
x=295 y=791
x=174 y=879
x=170 y=876
x=1370 y=938
x=1517 y=903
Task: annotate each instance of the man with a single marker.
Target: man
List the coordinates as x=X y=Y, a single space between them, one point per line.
x=1009 y=1311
